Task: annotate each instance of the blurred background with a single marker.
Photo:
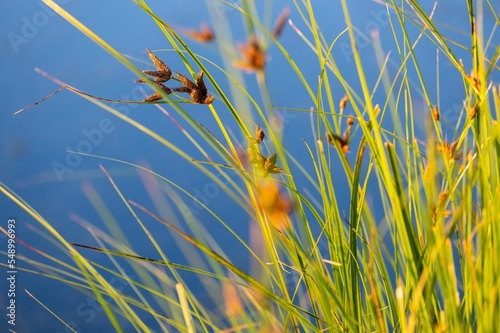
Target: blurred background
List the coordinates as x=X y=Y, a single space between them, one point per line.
x=34 y=158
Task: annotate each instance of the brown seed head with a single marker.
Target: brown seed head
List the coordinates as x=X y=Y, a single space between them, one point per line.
x=343 y=142
x=435 y=113
x=157 y=96
x=160 y=65
x=204 y=35
x=443 y=196
x=280 y=22
x=259 y=134
x=264 y=165
x=343 y=102
x=275 y=204
x=474 y=80
x=154 y=97
x=350 y=121
x=449 y=151
x=197 y=91
x=162 y=72
x=254 y=58
x=209 y=99
x=473 y=111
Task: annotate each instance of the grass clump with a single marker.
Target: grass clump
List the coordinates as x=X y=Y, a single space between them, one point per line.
x=406 y=244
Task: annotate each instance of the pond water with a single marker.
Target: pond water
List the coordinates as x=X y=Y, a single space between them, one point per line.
x=34 y=161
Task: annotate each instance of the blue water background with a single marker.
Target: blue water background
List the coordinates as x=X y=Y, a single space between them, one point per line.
x=36 y=140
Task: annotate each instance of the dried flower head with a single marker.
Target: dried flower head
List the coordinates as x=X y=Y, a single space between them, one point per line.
x=157 y=96
x=350 y=121
x=275 y=204
x=197 y=91
x=435 y=113
x=204 y=35
x=162 y=72
x=254 y=58
x=473 y=80
x=449 y=151
x=259 y=134
x=443 y=196
x=265 y=165
x=160 y=75
x=343 y=102
x=280 y=22
x=341 y=141
x=270 y=166
x=473 y=111
x=439 y=210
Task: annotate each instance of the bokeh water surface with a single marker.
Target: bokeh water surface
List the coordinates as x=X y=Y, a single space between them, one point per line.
x=34 y=143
